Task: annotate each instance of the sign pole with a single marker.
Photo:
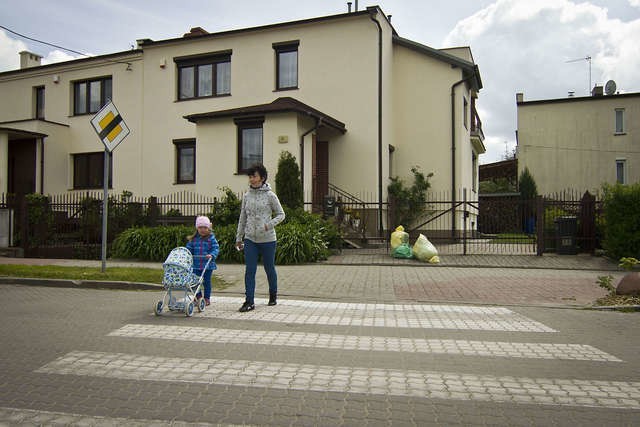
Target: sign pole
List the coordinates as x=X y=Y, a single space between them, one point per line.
x=105 y=209
x=111 y=129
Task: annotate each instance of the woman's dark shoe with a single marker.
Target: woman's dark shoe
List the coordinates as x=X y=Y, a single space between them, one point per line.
x=272 y=299
x=246 y=307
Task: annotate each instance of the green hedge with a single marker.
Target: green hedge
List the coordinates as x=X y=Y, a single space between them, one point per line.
x=303 y=237
x=622 y=220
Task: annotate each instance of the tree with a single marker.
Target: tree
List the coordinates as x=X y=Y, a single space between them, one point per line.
x=288 y=183
x=528 y=192
x=527 y=185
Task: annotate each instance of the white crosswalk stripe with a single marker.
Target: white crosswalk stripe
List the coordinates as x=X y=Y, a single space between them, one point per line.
x=380 y=315
x=440 y=385
x=368 y=343
x=29 y=417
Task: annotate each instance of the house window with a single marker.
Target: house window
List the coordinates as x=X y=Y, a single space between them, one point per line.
x=204 y=76
x=39 y=102
x=88 y=170
x=466 y=113
x=619 y=120
x=286 y=65
x=474 y=171
x=91 y=95
x=249 y=143
x=621 y=171
x=185 y=161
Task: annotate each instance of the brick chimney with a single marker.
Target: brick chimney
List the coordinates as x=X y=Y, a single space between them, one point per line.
x=28 y=59
x=196 y=31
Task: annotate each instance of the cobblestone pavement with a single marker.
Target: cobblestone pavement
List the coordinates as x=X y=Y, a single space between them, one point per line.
x=101 y=357
x=373 y=276
x=361 y=339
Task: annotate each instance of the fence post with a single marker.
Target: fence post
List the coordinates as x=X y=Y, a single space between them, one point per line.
x=24 y=224
x=588 y=222
x=153 y=211
x=539 y=225
x=465 y=215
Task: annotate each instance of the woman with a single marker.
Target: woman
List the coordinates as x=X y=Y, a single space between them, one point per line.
x=257 y=235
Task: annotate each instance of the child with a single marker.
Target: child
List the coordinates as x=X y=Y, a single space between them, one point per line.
x=203 y=245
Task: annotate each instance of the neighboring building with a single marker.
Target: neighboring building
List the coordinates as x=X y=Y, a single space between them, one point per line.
x=354 y=102
x=579 y=143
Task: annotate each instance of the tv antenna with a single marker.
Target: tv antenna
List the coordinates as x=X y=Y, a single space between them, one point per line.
x=588 y=59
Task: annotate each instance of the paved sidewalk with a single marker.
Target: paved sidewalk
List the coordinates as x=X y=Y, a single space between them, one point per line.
x=373 y=276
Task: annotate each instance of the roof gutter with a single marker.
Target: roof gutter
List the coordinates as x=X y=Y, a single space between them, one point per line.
x=453 y=154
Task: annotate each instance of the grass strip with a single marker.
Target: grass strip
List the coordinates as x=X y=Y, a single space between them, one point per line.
x=117 y=274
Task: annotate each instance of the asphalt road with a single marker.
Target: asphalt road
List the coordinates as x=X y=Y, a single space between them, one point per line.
x=101 y=357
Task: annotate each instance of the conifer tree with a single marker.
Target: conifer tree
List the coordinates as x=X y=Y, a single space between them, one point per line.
x=288 y=183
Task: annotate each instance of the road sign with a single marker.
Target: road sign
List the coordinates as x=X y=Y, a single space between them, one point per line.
x=110 y=126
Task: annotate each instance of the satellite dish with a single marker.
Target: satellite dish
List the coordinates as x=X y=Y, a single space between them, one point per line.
x=610 y=87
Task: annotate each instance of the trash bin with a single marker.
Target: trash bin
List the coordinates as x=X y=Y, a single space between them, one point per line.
x=329 y=206
x=566 y=230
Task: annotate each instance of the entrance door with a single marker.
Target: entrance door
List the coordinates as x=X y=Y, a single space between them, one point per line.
x=21 y=177
x=320 y=181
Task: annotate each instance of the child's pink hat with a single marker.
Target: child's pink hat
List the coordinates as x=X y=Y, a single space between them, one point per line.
x=203 y=221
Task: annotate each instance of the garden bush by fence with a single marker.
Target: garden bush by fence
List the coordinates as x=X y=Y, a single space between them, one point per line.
x=297 y=242
x=69 y=226
x=622 y=220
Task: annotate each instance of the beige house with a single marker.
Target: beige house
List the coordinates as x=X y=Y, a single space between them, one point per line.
x=353 y=101
x=579 y=143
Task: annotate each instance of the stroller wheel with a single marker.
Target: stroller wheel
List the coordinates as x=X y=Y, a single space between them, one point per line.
x=201 y=304
x=188 y=309
x=157 y=308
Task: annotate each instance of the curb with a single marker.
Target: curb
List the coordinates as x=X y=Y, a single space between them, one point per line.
x=80 y=284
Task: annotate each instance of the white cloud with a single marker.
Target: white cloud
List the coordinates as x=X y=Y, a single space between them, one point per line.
x=9 y=48
x=58 y=56
x=634 y=3
x=525 y=47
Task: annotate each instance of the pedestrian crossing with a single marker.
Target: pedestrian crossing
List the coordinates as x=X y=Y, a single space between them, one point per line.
x=386 y=382
x=367 y=380
x=420 y=316
x=367 y=343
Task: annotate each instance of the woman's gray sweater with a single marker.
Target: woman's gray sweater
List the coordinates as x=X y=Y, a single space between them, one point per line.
x=258 y=207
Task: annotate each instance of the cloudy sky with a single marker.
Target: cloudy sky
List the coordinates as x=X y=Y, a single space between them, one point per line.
x=536 y=47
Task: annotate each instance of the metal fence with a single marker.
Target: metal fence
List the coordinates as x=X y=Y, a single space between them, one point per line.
x=69 y=225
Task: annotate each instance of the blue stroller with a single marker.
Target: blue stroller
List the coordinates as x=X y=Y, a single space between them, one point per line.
x=181 y=284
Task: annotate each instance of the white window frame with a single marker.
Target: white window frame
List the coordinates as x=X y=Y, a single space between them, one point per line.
x=621 y=163
x=619 y=122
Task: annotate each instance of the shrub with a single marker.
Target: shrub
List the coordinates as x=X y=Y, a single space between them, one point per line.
x=305 y=237
x=288 y=184
x=40 y=218
x=622 y=220
x=149 y=243
x=227 y=210
x=409 y=203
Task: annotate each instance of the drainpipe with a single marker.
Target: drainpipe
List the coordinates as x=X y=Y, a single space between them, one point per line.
x=372 y=17
x=453 y=155
x=41 y=165
x=317 y=125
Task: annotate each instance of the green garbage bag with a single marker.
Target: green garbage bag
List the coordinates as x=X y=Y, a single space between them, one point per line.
x=403 y=250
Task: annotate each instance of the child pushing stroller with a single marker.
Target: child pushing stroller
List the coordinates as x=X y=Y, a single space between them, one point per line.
x=189 y=269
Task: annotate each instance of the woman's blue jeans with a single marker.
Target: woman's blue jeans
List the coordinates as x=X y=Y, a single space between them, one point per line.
x=206 y=281
x=252 y=251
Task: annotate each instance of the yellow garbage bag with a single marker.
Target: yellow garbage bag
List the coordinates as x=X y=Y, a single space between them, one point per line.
x=423 y=249
x=398 y=237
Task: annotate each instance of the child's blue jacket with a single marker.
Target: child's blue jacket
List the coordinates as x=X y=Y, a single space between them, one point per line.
x=200 y=247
